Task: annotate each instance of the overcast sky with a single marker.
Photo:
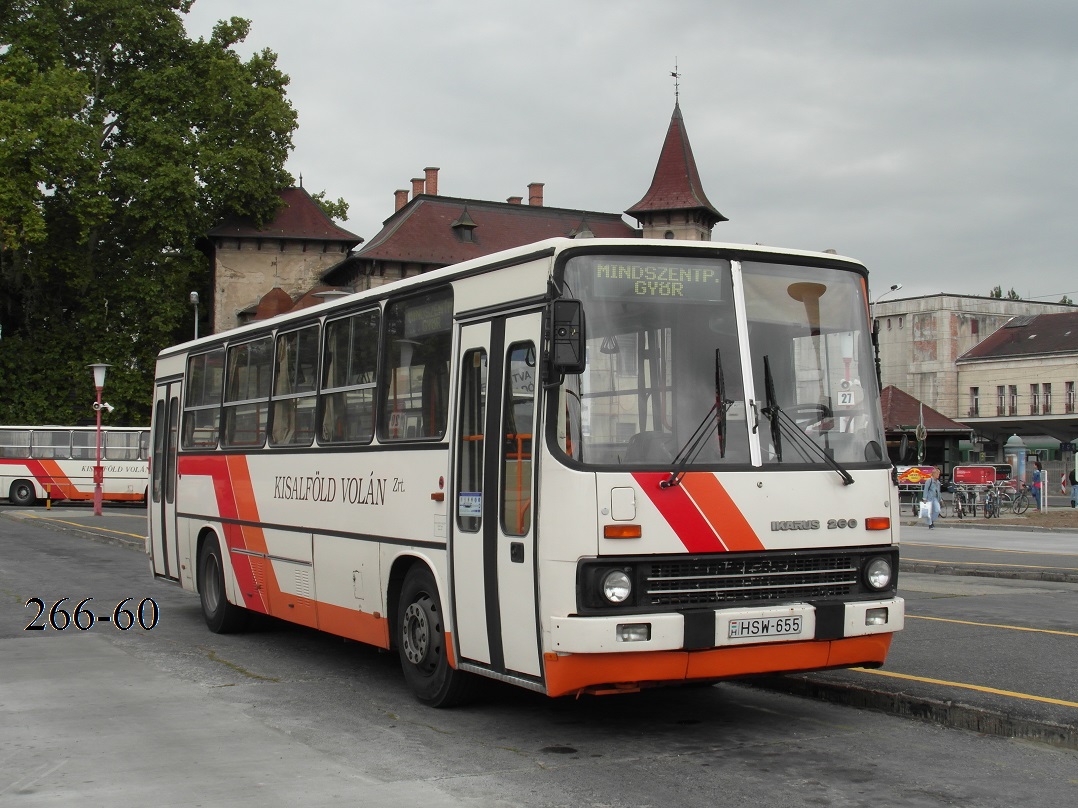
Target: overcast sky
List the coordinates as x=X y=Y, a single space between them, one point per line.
x=932 y=140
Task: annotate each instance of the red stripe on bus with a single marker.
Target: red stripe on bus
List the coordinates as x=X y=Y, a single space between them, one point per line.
x=695 y=532
x=229 y=476
x=721 y=511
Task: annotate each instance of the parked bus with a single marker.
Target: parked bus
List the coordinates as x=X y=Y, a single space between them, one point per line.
x=57 y=463
x=580 y=466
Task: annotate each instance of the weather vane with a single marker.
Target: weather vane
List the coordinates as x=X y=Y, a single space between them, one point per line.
x=676 y=76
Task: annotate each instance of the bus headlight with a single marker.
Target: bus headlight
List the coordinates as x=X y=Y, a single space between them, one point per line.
x=878 y=573
x=616 y=586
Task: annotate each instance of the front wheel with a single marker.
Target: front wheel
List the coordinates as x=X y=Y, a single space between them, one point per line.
x=1021 y=504
x=421 y=643
x=221 y=616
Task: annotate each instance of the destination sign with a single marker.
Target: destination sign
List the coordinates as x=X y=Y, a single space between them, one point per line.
x=624 y=279
x=421 y=319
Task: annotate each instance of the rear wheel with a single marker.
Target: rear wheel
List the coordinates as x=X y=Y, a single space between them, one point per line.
x=221 y=616
x=22 y=493
x=421 y=643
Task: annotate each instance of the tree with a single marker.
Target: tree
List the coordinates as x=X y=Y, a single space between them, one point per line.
x=334 y=210
x=1066 y=301
x=122 y=141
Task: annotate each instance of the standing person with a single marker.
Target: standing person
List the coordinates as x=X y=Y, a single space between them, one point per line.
x=930 y=493
x=1037 y=475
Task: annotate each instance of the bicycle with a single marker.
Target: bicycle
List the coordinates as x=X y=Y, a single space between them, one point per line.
x=960 y=505
x=991 y=502
x=1006 y=496
x=1021 y=500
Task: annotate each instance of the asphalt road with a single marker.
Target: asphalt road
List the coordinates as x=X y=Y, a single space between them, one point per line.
x=981 y=601
x=282 y=716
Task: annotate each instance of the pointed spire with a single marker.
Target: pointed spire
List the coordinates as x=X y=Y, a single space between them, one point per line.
x=676 y=187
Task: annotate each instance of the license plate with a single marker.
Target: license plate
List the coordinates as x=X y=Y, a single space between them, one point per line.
x=765 y=627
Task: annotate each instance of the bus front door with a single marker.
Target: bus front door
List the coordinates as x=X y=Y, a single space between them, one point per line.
x=162 y=504
x=493 y=552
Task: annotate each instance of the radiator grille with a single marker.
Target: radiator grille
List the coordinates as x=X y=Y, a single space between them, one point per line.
x=703 y=582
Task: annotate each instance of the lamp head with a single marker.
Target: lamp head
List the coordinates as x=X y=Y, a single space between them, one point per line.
x=193 y=298
x=99 y=369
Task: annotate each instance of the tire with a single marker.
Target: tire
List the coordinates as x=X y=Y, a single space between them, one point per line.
x=1021 y=503
x=421 y=644
x=221 y=616
x=22 y=493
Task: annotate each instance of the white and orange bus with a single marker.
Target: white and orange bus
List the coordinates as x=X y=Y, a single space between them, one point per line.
x=57 y=463
x=580 y=466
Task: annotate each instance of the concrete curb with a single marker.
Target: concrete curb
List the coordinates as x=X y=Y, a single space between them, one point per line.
x=943 y=568
x=946 y=713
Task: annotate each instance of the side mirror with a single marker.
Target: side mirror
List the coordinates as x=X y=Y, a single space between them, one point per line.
x=567 y=339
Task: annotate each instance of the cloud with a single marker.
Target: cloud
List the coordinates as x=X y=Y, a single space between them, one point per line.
x=931 y=140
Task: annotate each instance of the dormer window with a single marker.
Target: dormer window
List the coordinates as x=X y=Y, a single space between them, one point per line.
x=464 y=227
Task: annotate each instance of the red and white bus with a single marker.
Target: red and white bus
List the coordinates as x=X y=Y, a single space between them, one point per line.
x=57 y=463
x=581 y=466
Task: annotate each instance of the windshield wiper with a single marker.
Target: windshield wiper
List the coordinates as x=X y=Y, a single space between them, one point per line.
x=772 y=410
x=698 y=439
x=781 y=423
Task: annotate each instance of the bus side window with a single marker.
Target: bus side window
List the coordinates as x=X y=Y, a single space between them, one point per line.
x=415 y=362
x=202 y=400
x=349 y=365
x=246 y=410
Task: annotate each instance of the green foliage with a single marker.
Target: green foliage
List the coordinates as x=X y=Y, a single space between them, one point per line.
x=997 y=292
x=122 y=141
x=1066 y=301
x=334 y=210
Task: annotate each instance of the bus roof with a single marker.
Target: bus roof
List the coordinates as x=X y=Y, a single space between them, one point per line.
x=531 y=251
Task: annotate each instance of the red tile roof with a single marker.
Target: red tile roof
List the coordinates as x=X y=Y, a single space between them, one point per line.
x=676 y=184
x=299 y=217
x=902 y=412
x=1029 y=335
x=422 y=231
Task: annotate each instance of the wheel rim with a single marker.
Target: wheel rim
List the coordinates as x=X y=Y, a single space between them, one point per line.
x=416 y=634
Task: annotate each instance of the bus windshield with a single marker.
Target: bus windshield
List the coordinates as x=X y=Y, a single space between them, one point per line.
x=674 y=343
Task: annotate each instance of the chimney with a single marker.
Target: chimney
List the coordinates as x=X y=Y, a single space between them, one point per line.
x=515 y=200
x=535 y=194
x=401 y=197
x=432 y=180
x=417 y=186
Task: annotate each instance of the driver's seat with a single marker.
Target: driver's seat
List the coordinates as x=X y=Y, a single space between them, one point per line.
x=649 y=447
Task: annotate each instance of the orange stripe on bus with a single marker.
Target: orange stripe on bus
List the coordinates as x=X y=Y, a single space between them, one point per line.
x=720 y=510
x=353 y=624
x=573 y=673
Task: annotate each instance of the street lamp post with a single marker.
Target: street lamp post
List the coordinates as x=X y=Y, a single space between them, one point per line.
x=876 y=331
x=99 y=473
x=193 y=297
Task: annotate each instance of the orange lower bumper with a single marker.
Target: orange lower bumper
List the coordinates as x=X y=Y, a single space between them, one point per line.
x=574 y=673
